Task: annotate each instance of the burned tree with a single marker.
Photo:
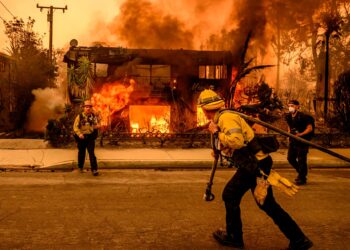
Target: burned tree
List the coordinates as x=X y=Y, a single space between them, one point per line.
x=267 y=101
x=243 y=69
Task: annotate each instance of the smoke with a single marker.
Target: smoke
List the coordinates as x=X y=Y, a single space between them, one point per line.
x=48 y=104
x=127 y=67
x=250 y=16
x=162 y=24
x=198 y=24
x=143 y=25
x=204 y=24
x=209 y=24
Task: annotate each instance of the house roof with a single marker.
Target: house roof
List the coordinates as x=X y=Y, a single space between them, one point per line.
x=119 y=55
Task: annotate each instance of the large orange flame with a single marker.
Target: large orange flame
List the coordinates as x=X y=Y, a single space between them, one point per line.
x=149 y=118
x=112 y=98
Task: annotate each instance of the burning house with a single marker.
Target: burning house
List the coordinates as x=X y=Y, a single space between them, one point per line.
x=145 y=90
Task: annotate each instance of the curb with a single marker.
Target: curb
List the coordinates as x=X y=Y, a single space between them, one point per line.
x=156 y=165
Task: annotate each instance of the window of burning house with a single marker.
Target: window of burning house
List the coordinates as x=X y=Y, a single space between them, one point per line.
x=101 y=70
x=158 y=76
x=212 y=71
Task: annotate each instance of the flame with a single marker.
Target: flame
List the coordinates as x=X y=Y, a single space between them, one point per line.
x=149 y=118
x=161 y=124
x=234 y=74
x=134 y=127
x=112 y=98
x=201 y=118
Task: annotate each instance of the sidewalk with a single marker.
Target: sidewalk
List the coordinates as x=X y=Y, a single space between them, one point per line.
x=34 y=155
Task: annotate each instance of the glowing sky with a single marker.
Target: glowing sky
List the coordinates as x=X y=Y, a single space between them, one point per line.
x=76 y=22
x=142 y=23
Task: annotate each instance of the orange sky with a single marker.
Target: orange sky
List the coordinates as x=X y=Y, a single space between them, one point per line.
x=94 y=20
x=165 y=24
x=74 y=23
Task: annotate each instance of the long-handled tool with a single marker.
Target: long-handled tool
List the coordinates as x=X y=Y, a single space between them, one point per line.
x=208 y=195
x=285 y=133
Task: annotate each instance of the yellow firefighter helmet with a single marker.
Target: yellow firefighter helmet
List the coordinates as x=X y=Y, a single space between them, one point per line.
x=209 y=100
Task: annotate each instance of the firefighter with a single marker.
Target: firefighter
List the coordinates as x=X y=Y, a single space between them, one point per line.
x=237 y=141
x=85 y=133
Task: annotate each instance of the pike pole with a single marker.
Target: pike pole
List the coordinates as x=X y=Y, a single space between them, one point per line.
x=285 y=133
x=208 y=195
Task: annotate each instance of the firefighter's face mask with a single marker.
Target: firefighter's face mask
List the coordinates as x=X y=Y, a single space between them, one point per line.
x=292 y=108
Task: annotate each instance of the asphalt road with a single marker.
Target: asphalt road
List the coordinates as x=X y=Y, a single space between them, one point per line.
x=147 y=209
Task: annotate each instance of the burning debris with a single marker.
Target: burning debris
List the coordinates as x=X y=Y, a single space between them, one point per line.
x=149 y=118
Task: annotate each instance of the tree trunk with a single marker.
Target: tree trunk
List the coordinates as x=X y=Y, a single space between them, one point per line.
x=278 y=55
x=326 y=79
x=319 y=64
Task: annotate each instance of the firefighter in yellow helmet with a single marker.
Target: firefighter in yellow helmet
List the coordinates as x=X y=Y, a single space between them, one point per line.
x=238 y=142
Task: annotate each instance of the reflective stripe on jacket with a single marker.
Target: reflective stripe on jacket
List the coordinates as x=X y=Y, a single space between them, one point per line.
x=235 y=132
x=81 y=127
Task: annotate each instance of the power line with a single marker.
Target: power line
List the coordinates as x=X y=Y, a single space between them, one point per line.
x=7 y=9
x=2 y=19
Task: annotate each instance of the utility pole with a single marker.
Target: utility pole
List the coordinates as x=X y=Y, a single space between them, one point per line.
x=50 y=20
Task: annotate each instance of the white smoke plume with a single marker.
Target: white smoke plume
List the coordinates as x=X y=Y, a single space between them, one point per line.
x=49 y=104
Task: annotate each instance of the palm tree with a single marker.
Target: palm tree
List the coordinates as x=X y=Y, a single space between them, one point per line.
x=80 y=79
x=332 y=25
x=243 y=70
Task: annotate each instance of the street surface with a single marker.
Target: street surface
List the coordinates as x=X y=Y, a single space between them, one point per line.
x=147 y=209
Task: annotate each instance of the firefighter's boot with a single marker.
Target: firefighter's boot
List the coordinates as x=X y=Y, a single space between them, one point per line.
x=228 y=239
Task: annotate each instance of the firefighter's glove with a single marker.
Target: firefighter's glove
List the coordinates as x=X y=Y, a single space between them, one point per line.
x=260 y=191
x=213 y=127
x=282 y=183
x=227 y=151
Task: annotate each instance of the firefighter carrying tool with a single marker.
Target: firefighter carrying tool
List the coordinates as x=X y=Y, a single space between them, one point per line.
x=237 y=140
